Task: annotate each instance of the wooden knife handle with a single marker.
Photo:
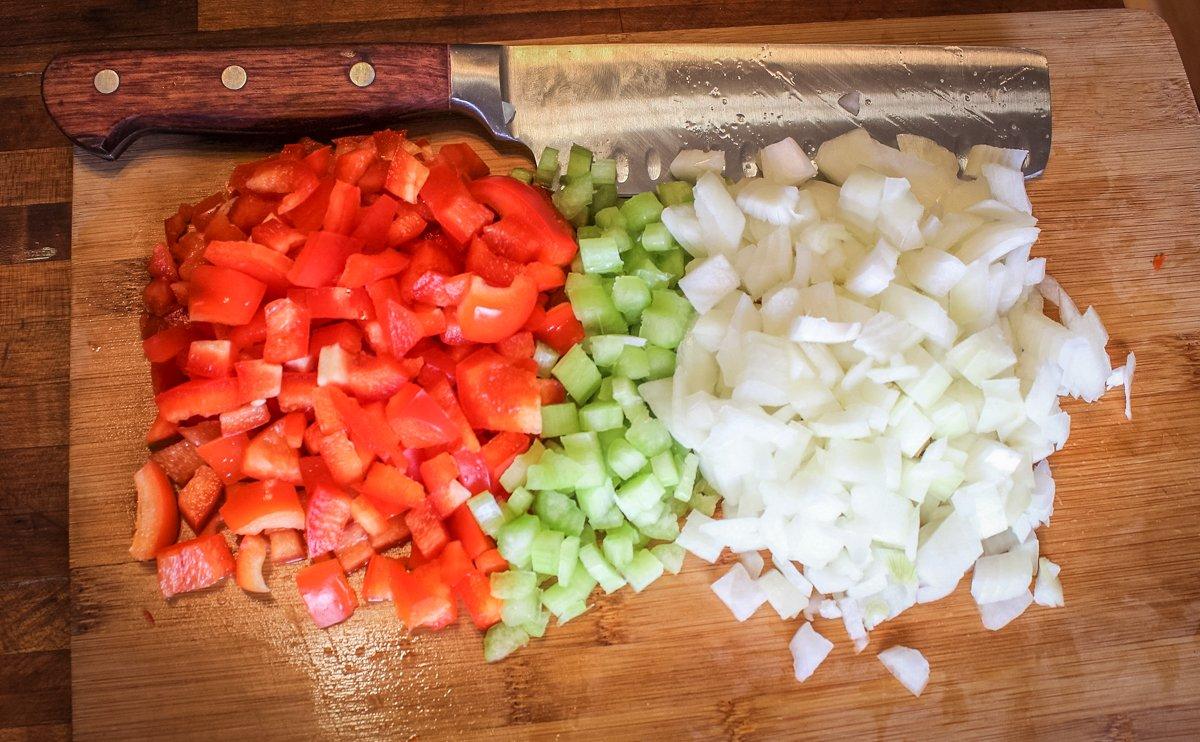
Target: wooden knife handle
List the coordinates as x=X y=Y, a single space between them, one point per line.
x=103 y=101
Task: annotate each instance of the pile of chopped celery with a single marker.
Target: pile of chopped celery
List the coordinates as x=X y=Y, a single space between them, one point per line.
x=598 y=501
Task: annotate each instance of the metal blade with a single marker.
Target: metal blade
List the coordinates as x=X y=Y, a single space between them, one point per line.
x=642 y=103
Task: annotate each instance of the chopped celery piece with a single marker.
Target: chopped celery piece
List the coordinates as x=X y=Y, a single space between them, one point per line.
x=666 y=319
x=537 y=627
x=593 y=306
x=579 y=161
x=555 y=471
x=604 y=171
x=559 y=419
x=664 y=528
x=574 y=610
x=605 y=349
x=622 y=238
x=590 y=230
x=487 y=512
x=514 y=476
x=515 y=539
x=596 y=501
x=579 y=376
x=705 y=502
x=611 y=518
x=648 y=436
x=543 y=554
x=545 y=357
x=608 y=436
x=600 y=255
x=547 y=167
x=574 y=198
x=642 y=570
x=559 y=512
x=581 y=583
x=664 y=469
x=525 y=175
x=671 y=262
x=618 y=545
x=632 y=363
x=513 y=583
x=519 y=501
x=625 y=391
x=661 y=362
x=641 y=210
x=558 y=599
x=687 y=478
x=521 y=609
x=639 y=494
x=584 y=449
x=675 y=192
x=636 y=412
x=630 y=295
x=600 y=416
x=642 y=518
x=598 y=567
x=588 y=536
x=624 y=459
x=610 y=218
x=605 y=196
x=671 y=556
x=639 y=263
x=502 y=640
x=656 y=238
x=568 y=558
x=604 y=393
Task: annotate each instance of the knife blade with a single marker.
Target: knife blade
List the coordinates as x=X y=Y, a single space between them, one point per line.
x=637 y=103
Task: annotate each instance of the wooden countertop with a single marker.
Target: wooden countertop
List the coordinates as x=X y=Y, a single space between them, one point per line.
x=35 y=192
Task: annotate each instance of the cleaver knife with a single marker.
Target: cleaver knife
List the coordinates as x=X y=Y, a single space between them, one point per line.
x=637 y=103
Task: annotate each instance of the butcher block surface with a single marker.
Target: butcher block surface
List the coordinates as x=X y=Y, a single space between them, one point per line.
x=1122 y=657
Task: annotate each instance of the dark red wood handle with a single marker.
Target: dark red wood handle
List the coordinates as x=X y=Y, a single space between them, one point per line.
x=286 y=90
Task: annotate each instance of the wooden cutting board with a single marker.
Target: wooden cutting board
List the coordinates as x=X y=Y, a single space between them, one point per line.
x=1122 y=658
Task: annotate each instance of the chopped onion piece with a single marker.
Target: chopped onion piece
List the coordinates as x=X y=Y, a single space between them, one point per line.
x=739 y=592
x=908 y=666
x=690 y=164
x=809 y=650
x=1048 y=589
x=998 y=615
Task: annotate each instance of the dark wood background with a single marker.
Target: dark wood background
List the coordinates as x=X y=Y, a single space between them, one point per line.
x=35 y=215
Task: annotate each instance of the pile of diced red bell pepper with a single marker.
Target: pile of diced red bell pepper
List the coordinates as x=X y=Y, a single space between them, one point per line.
x=341 y=347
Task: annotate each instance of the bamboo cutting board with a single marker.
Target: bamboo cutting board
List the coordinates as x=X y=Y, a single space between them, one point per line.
x=1122 y=659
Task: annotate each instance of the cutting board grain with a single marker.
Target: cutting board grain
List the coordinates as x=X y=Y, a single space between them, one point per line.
x=1122 y=659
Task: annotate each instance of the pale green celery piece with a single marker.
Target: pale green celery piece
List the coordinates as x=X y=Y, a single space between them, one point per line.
x=610 y=519
x=604 y=196
x=632 y=363
x=687 y=478
x=519 y=501
x=512 y=583
x=537 y=627
x=514 y=476
x=644 y=518
x=601 y=416
x=487 y=512
x=547 y=167
x=642 y=570
x=639 y=494
x=590 y=230
x=677 y=507
x=593 y=306
x=649 y=436
x=544 y=552
x=617 y=545
x=604 y=393
x=637 y=412
x=671 y=556
x=502 y=640
x=559 y=419
x=641 y=210
x=661 y=362
x=584 y=449
x=588 y=536
x=656 y=238
x=675 y=192
x=621 y=237
x=515 y=539
x=611 y=218
x=605 y=349
x=595 y=501
x=604 y=171
x=598 y=567
x=557 y=598
x=579 y=376
x=639 y=263
x=664 y=468
x=630 y=295
x=600 y=254
x=574 y=198
x=559 y=512
x=666 y=319
x=525 y=175
x=574 y=610
x=664 y=528
x=568 y=558
x=522 y=609
x=673 y=262
x=555 y=471
x=624 y=460
x=705 y=502
x=579 y=161
x=625 y=391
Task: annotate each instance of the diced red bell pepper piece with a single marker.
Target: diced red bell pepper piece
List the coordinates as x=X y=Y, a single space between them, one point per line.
x=407 y=225
x=249 y=209
x=406 y=176
x=327 y=514
x=395 y=534
x=512 y=238
x=418 y=419
x=519 y=345
x=252 y=553
x=156 y=525
x=305 y=209
x=454 y=563
x=159 y=297
x=326 y=592
x=335 y=302
x=368 y=428
x=488 y=314
x=560 y=329
x=377 y=583
x=392 y=491
x=495 y=269
x=288 y=325
x=160 y=430
x=291 y=426
x=257 y=506
x=224 y=295
x=210 y=359
x=225 y=456
x=490 y=561
x=499 y=452
x=322 y=259
x=345 y=334
x=286 y=546
x=277 y=235
x=363 y=269
x=252 y=333
x=161 y=265
x=462 y=157
x=545 y=276
x=295 y=392
x=258 y=380
x=474 y=589
x=166 y=344
x=473 y=471
x=277 y=177
x=460 y=215
x=343 y=458
x=254 y=260
x=179 y=460
x=498 y=394
x=201 y=432
x=203 y=398
x=440 y=390
x=422 y=599
x=220 y=228
x=198 y=498
x=342 y=212
x=466 y=529
x=244 y=419
x=438 y=472
x=353 y=163
x=320 y=160
x=427 y=532
x=510 y=198
x=373 y=225
x=268 y=456
x=365 y=513
x=552 y=391
x=354 y=549
x=194 y=565
x=379 y=377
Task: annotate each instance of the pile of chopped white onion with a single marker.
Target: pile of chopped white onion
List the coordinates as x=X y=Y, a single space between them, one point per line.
x=872 y=385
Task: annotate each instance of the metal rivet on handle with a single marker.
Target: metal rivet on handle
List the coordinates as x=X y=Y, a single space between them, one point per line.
x=233 y=77
x=106 y=81
x=362 y=74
